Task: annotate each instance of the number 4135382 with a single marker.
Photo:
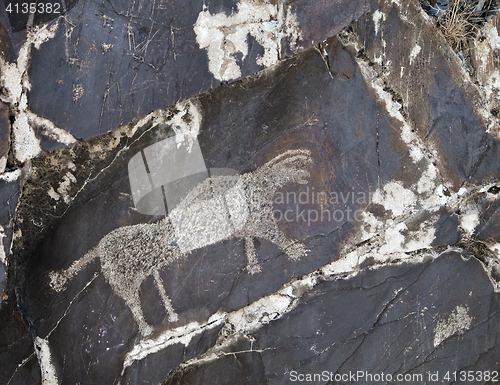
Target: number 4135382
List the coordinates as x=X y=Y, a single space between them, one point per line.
x=472 y=376
x=33 y=8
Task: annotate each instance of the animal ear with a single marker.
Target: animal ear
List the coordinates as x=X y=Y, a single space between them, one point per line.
x=289 y=156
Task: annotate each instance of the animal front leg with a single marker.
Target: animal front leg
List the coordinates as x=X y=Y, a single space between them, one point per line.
x=292 y=248
x=172 y=315
x=252 y=265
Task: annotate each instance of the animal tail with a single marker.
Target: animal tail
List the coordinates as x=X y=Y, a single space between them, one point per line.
x=302 y=157
x=59 y=279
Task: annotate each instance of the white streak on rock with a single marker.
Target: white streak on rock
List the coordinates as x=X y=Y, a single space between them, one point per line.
x=181 y=335
x=377 y=18
x=51 y=130
x=469 y=221
x=291 y=29
x=427 y=182
x=274 y=306
x=25 y=144
x=414 y=52
x=395 y=197
x=422 y=238
x=186 y=123
x=49 y=373
x=394 y=240
x=3 y=257
x=224 y=36
x=11 y=176
x=416 y=147
x=457 y=323
x=15 y=81
x=495 y=248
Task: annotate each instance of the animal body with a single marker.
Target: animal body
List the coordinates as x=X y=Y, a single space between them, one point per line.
x=217 y=209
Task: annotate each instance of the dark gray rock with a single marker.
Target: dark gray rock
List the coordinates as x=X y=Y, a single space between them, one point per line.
x=19 y=363
x=9 y=195
x=399 y=217
x=429 y=81
x=122 y=61
x=6 y=48
x=384 y=320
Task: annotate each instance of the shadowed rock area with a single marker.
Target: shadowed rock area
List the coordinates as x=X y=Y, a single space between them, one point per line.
x=335 y=172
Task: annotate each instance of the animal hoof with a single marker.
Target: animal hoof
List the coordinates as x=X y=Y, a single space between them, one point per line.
x=146 y=331
x=296 y=251
x=254 y=268
x=173 y=317
x=57 y=282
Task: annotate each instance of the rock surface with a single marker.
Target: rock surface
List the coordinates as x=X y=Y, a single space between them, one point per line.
x=352 y=172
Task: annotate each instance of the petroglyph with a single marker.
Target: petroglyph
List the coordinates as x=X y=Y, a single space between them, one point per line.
x=217 y=209
x=457 y=323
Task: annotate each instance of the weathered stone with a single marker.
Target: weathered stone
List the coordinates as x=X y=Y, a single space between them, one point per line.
x=321 y=20
x=16 y=38
x=341 y=225
x=432 y=88
x=9 y=194
x=19 y=364
x=23 y=16
x=6 y=48
x=4 y=135
x=131 y=60
x=335 y=330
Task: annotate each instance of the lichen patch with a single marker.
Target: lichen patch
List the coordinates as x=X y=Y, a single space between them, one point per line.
x=64 y=186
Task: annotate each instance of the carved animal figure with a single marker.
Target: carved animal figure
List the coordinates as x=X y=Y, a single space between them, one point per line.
x=219 y=208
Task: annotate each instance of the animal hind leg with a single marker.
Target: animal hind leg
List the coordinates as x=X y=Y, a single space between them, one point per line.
x=134 y=303
x=172 y=315
x=252 y=264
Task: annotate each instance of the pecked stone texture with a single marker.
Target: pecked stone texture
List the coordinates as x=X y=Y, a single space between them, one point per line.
x=363 y=238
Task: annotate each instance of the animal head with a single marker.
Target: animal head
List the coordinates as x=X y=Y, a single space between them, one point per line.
x=288 y=167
